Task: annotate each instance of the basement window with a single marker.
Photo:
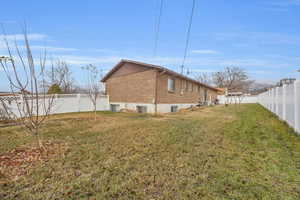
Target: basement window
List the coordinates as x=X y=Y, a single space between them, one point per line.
x=174 y=108
x=141 y=109
x=115 y=107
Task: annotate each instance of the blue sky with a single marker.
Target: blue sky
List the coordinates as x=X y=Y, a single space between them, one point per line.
x=261 y=36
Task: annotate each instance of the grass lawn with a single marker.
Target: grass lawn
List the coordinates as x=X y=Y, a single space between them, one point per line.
x=213 y=153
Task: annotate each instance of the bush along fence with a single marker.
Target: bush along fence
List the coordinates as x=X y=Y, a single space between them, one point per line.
x=64 y=103
x=284 y=102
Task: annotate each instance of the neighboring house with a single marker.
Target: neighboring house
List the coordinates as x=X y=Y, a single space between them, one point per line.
x=150 y=88
x=222 y=91
x=12 y=93
x=6 y=94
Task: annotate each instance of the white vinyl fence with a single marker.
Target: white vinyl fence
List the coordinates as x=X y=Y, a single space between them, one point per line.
x=284 y=102
x=65 y=103
x=232 y=99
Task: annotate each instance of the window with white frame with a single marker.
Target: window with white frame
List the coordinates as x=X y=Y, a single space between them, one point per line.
x=171 y=84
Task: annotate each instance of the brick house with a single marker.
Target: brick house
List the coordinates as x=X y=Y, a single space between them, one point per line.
x=150 y=88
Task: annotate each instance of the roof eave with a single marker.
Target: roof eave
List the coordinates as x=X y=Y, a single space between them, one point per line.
x=159 y=68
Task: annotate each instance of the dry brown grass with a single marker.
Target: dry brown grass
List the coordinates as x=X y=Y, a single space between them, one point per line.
x=210 y=153
x=19 y=161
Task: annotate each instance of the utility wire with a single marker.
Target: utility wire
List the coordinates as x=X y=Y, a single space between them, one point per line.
x=188 y=36
x=157 y=28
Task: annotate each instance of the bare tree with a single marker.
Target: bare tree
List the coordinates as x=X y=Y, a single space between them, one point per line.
x=219 y=79
x=203 y=77
x=61 y=74
x=26 y=78
x=94 y=85
x=232 y=78
x=257 y=88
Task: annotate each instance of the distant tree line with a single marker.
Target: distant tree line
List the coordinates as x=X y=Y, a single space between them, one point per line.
x=235 y=79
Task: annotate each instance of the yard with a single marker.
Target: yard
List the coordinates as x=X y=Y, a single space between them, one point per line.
x=212 y=153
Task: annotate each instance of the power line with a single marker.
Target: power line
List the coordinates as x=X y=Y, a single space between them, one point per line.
x=188 y=36
x=157 y=28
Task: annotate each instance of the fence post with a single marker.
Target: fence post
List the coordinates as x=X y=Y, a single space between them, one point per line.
x=78 y=102
x=296 y=100
x=274 y=100
x=271 y=100
x=284 y=97
x=277 y=101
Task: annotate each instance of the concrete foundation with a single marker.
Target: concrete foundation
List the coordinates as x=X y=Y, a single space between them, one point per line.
x=161 y=108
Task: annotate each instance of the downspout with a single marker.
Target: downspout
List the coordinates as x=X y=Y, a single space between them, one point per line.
x=155 y=97
x=158 y=74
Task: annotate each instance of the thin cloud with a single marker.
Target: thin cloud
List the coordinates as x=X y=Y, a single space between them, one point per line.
x=255 y=63
x=260 y=38
x=277 y=9
x=260 y=72
x=51 y=48
x=18 y=37
x=203 y=70
x=281 y=5
x=104 y=51
x=84 y=60
x=285 y=3
x=174 y=62
x=8 y=22
x=204 y=51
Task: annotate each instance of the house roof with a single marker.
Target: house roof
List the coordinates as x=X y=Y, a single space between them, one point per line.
x=159 y=68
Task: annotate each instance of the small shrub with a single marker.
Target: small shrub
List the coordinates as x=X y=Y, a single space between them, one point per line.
x=55 y=89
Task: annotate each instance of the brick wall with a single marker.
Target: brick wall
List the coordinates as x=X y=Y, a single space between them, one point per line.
x=138 y=87
x=133 y=83
x=185 y=91
x=128 y=68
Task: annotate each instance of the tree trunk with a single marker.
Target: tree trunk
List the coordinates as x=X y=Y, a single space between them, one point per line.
x=95 y=112
x=38 y=140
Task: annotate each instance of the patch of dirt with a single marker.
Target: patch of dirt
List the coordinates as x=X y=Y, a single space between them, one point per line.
x=8 y=124
x=194 y=108
x=124 y=110
x=17 y=162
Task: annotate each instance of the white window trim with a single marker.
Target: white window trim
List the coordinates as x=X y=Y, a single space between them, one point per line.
x=169 y=87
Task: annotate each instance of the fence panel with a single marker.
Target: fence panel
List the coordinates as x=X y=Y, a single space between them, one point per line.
x=290 y=105
x=279 y=102
x=297 y=106
x=85 y=104
x=231 y=100
x=284 y=102
x=65 y=103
